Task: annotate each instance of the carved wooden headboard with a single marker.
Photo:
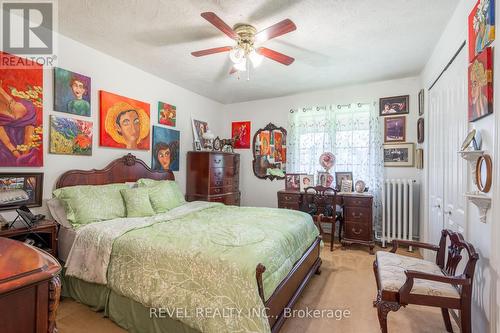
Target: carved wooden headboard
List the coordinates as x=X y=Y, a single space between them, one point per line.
x=125 y=169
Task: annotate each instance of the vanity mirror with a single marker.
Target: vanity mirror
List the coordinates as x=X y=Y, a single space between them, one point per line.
x=484 y=173
x=269 y=152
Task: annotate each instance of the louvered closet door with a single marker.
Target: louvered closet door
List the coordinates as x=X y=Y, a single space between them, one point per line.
x=447 y=129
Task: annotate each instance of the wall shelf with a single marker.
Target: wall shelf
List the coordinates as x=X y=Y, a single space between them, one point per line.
x=472 y=156
x=482 y=201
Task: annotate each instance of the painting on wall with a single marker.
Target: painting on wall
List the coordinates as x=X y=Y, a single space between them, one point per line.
x=481 y=86
x=395 y=129
x=165 y=153
x=420 y=130
x=167 y=114
x=71 y=92
x=400 y=155
x=240 y=132
x=421 y=104
x=199 y=128
x=481 y=27
x=21 y=112
x=124 y=122
x=20 y=189
x=70 y=136
x=392 y=106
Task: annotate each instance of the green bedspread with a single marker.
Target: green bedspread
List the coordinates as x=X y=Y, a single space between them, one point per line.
x=198 y=265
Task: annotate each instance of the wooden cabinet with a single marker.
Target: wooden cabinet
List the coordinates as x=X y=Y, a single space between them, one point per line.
x=30 y=288
x=357 y=215
x=213 y=176
x=358 y=221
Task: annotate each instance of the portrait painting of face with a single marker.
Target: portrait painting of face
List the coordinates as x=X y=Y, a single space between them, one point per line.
x=240 y=131
x=165 y=152
x=265 y=144
x=71 y=92
x=481 y=86
x=21 y=112
x=481 y=27
x=167 y=114
x=124 y=122
x=70 y=136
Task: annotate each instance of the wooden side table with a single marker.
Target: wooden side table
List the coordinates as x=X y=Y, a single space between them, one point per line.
x=45 y=230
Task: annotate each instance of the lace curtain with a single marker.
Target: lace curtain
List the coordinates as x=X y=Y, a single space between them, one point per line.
x=351 y=132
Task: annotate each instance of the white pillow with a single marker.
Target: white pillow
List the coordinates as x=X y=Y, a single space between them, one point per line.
x=57 y=211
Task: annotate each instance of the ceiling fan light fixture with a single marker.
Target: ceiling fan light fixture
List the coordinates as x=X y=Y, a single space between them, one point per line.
x=237 y=55
x=241 y=66
x=255 y=58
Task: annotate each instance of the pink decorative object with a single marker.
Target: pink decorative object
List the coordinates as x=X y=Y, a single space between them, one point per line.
x=327 y=160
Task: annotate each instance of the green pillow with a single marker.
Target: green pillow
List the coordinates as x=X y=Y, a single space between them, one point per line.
x=163 y=194
x=137 y=202
x=92 y=203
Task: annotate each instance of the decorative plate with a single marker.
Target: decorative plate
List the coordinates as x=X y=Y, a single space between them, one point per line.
x=360 y=186
x=468 y=139
x=327 y=160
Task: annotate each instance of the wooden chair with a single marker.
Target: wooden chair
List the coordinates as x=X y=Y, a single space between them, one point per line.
x=321 y=203
x=404 y=280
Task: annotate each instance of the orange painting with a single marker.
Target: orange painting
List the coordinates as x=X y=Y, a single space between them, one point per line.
x=124 y=122
x=265 y=145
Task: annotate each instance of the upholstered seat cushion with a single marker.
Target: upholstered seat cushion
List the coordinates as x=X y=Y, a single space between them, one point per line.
x=391 y=274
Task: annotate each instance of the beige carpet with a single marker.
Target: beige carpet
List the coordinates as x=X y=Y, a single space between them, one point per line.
x=346 y=283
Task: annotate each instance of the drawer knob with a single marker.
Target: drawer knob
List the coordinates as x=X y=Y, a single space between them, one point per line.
x=217 y=190
x=356 y=232
x=287 y=198
x=218 y=161
x=357 y=216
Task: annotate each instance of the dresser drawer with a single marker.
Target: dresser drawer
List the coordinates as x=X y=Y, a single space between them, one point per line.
x=221 y=160
x=234 y=182
x=289 y=197
x=220 y=190
x=288 y=205
x=217 y=174
x=358 y=231
x=231 y=199
x=358 y=214
x=357 y=202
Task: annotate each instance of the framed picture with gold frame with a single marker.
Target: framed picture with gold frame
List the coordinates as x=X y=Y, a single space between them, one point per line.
x=399 y=155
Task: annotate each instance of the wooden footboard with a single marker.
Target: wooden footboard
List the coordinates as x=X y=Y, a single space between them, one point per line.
x=289 y=290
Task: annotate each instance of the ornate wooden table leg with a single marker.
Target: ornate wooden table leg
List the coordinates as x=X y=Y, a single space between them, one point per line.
x=54 y=297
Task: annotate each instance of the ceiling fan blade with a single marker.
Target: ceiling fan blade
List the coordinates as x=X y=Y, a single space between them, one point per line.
x=276 y=56
x=275 y=30
x=219 y=24
x=202 y=53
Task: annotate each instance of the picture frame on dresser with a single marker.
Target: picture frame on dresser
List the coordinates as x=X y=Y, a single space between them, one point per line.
x=20 y=189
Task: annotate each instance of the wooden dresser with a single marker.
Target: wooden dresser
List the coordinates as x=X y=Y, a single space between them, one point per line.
x=30 y=288
x=358 y=215
x=213 y=176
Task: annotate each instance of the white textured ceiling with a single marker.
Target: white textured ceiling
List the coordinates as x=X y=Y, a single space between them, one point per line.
x=337 y=42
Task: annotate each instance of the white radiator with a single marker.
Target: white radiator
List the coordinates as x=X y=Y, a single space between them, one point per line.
x=400 y=199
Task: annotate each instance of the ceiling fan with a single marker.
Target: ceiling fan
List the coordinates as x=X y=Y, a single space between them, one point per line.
x=246 y=36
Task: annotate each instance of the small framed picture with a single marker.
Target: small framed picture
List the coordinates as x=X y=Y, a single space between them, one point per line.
x=325 y=179
x=393 y=106
x=197 y=145
x=395 y=129
x=20 y=189
x=420 y=130
x=399 y=155
x=419 y=158
x=306 y=181
x=292 y=182
x=421 y=95
x=340 y=177
x=346 y=186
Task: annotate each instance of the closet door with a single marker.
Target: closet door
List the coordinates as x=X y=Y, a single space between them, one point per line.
x=447 y=122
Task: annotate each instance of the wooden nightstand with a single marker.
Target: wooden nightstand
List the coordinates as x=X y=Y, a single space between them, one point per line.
x=46 y=229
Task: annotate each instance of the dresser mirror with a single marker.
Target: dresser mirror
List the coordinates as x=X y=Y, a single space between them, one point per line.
x=269 y=152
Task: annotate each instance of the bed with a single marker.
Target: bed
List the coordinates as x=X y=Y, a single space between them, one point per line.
x=141 y=302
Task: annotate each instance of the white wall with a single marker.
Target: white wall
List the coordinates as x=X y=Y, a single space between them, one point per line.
x=262 y=192
x=484 y=236
x=110 y=74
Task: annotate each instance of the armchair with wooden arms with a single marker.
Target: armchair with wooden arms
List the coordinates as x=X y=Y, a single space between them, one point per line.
x=321 y=203
x=404 y=280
